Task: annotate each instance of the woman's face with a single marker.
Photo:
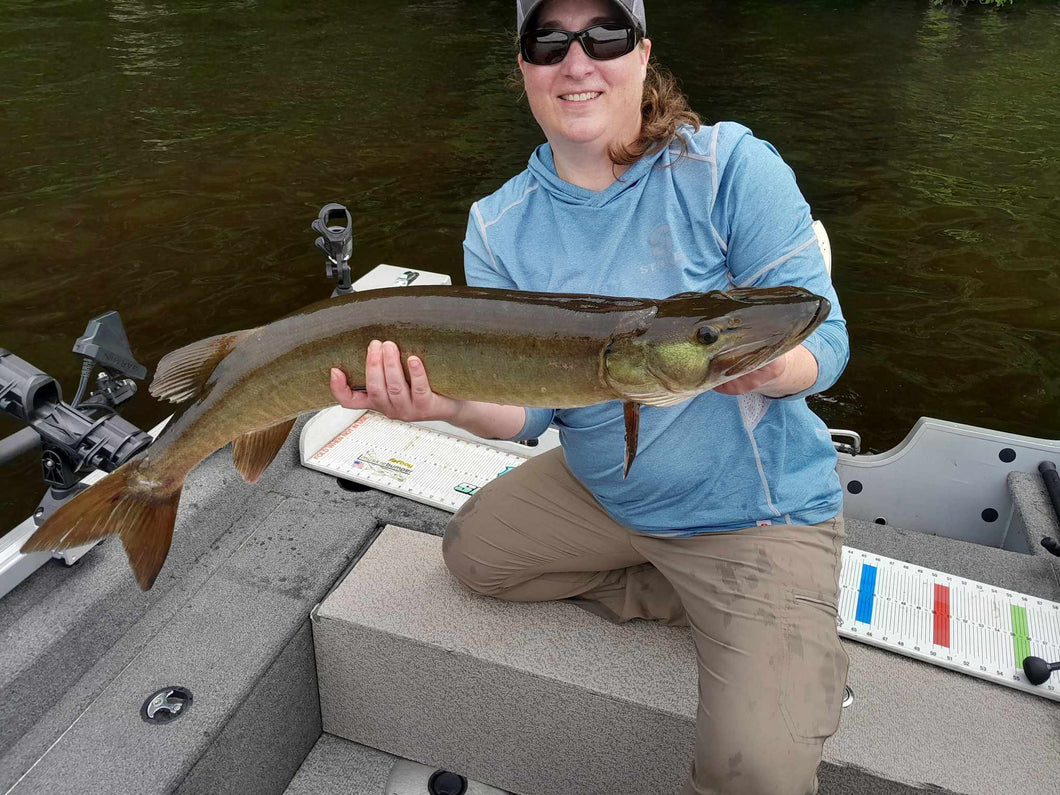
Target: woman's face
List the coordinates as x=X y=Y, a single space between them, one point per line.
x=580 y=100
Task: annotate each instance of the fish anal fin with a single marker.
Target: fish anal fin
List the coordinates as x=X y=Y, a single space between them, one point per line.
x=182 y=374
x=632 y=415
x=119 y=505
x=253 y=452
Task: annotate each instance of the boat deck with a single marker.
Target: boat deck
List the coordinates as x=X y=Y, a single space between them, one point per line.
x=229 y=618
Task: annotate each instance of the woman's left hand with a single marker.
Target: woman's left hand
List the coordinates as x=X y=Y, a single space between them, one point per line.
x=754 y=380
x=786 y=375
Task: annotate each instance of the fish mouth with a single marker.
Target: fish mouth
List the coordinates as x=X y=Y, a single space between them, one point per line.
x=824 y=308
x=752 y=356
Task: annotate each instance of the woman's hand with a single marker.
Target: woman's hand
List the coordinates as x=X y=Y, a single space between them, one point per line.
x=752 y=381
x=793 y=372
x=388 y=392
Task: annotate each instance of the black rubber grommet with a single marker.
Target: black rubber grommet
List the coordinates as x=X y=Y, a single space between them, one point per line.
x=854 y=487
x=443 y=782
x=1008 y=455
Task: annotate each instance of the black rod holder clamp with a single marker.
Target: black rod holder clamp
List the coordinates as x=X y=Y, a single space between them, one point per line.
x=76 y=438
x=336 y=241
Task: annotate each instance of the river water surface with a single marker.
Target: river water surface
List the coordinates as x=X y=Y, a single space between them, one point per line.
x=165 y=159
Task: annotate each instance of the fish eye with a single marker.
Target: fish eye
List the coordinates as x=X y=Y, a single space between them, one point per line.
x=708 y=335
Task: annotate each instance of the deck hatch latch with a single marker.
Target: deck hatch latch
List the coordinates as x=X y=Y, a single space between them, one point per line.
x=166 y=705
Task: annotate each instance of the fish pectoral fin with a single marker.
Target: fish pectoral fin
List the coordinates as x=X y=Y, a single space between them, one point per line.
x=253 y=452
x=635 y=322
x=632 y=415
x=181 y=374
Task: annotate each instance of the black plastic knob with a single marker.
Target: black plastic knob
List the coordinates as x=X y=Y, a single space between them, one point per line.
x=1038 y=670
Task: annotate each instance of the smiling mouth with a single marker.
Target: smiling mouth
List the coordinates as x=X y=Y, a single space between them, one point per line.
x=585 y=96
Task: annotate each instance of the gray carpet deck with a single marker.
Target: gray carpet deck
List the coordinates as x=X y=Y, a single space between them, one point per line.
x=338 y=767
x=81 y=648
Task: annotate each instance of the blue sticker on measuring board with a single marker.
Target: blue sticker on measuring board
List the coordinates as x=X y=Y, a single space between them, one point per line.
x=866 y=594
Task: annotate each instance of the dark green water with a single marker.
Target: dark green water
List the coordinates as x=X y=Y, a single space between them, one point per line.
x=165 y=159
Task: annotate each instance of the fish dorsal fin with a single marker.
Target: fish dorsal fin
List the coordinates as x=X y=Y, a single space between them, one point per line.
x=182 y=373
x=688 y=294
x=253 y=452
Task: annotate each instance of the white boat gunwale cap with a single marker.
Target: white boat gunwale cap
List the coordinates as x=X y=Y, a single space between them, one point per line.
x=633 y=9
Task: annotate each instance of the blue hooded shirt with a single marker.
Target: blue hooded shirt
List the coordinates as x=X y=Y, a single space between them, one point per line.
x=726 y=214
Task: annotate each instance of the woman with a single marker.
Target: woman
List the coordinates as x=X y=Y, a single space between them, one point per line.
x=729 y=521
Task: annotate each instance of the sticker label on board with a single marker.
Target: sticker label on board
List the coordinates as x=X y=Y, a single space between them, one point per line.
x=393 y=468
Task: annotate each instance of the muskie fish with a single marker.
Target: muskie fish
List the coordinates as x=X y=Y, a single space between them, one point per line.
x=547 y=350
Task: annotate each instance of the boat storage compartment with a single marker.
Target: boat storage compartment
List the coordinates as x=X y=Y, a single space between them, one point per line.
x=548 y=699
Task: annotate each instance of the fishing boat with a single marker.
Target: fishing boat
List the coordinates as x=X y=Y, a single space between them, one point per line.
x=305 y=636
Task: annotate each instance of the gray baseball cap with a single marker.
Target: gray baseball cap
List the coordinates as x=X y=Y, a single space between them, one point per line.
x=634 y=9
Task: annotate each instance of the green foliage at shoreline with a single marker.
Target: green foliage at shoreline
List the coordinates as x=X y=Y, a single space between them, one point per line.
x=995 y=3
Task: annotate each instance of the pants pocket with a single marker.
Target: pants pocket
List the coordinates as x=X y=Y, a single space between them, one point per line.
x=815 y=668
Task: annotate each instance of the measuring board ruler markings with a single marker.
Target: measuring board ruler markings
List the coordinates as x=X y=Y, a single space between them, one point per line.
x=414 y=462
x=968 y=626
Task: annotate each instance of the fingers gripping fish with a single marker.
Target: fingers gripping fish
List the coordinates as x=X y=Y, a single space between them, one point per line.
x=544 y=350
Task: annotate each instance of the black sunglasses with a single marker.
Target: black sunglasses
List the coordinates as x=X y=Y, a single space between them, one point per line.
x=549 y=46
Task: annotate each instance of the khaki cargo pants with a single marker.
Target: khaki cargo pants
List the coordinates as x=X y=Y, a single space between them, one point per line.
x=761 y=604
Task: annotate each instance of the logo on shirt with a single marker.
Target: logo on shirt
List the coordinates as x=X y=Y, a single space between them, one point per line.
x=661 y=243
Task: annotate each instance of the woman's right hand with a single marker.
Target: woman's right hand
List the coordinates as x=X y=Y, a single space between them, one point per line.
x=388 y=392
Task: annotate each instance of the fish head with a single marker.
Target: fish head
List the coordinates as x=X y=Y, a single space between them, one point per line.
x=695 y=341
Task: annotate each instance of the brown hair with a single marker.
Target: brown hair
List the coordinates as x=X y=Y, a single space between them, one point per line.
x=663 y=108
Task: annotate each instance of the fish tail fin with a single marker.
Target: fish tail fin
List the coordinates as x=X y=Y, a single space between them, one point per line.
x=254 y=451
x=121 y=504
x=181 y=374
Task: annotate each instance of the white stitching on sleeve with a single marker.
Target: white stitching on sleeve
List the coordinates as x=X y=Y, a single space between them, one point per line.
x=762 y=271
x=482 y=231
x=515 y=203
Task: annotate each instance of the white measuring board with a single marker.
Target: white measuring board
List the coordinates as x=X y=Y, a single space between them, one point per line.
x=940 y=618
x=967 y=626
x=412 y=461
